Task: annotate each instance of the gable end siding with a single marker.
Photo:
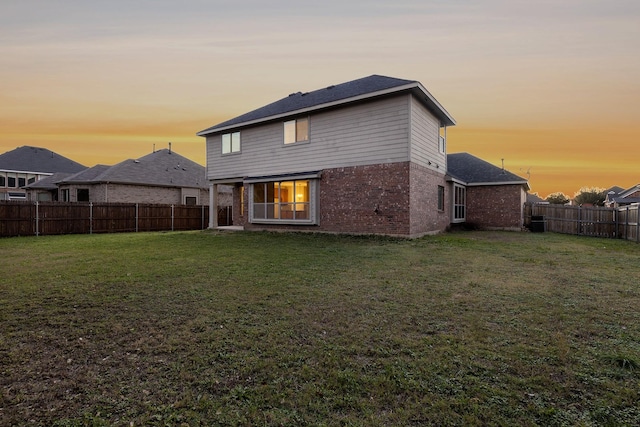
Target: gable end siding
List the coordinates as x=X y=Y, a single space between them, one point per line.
x=363 y=134
x=425 y=133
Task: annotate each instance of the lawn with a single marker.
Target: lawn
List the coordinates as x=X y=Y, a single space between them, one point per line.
x=222 y=328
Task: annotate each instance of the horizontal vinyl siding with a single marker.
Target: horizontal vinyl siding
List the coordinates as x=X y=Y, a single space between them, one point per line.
x=372 y=133
x=425 y=132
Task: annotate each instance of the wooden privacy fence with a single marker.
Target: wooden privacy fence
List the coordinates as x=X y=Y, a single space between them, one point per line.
x=585 y=221
x=47 y=218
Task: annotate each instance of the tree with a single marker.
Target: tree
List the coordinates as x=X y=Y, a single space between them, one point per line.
x=590 y=195
x=558 y=198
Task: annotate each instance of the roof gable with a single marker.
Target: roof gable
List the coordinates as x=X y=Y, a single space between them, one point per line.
x=633 y=191
x=472 y=170
x=36 y=159
x=299 y=102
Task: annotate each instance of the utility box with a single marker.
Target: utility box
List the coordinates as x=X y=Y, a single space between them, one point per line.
x=538 y=224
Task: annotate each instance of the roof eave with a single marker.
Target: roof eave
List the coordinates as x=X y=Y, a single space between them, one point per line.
x=483 y=184
x=430 y=101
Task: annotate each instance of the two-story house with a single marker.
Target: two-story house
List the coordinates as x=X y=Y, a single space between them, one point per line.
x=28 y=165
x=368 y=157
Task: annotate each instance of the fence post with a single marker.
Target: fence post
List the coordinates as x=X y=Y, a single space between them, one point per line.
x=637 y=223
x=37 y=218
x=171 y=217
x=90 y=217
x=202 y=218
x=137 y=217
x=626 y=225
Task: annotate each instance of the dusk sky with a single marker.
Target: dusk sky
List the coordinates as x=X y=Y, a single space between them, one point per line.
x=551 y=87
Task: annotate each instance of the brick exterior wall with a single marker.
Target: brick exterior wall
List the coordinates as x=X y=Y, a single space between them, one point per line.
x=240 y=208
x=398 y=199
x=496 y=207
x=372 y=199
x=120 y=193
x=425 y=216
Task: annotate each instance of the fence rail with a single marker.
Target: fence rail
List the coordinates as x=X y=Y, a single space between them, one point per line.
x=48 y=218
x=619 y=223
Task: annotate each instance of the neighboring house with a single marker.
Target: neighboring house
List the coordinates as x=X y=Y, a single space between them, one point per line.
x=367 y=156
x=535 y=199
x=617 y=196
x=162 y=177
x=493 y=196
x=28 y=165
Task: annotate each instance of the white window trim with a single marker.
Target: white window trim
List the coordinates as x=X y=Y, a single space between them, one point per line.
x=454 y=211
x=231 y=145
x=295 y=128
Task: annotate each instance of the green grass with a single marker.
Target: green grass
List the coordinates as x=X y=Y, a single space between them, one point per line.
x=204 y=328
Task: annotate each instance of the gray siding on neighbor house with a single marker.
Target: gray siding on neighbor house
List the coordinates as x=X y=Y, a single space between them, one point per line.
x=363 y=134
x=425 y=133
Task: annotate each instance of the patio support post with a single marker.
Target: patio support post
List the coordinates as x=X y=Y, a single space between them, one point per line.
x=213 y=206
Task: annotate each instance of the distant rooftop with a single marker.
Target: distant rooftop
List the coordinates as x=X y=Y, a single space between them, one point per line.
x=36 y=159
x=160 y=168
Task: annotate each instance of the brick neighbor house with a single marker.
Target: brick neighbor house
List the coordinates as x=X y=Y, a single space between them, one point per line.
x=618 y=196
x=28 y=165
x=162 y=177
x=365 y=157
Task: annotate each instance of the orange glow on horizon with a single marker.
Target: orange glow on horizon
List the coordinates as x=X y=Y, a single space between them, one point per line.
x=556 y=160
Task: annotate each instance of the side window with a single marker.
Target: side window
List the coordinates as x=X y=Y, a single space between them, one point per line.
x=231 y=143
x=296 y=131
x=440 y=198
x=459 y=203
x=82 y=195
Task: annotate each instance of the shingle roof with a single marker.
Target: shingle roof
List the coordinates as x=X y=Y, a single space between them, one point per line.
x=48 y=182
x=615 y=190
x=161 y=168
x=472 y=170
x=87 y=175
x=365 y=87
x=36 y=159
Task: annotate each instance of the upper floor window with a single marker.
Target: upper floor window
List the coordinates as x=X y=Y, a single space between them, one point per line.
x=296 y=131
x=442 y=140
x=231 y=143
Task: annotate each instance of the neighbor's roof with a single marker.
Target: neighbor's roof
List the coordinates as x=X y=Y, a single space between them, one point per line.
x=623 y=196
x=474 y=171
x=615 y=190
x=163 y=168
x=48 y=182
x=332 y=96
x=36 y=159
